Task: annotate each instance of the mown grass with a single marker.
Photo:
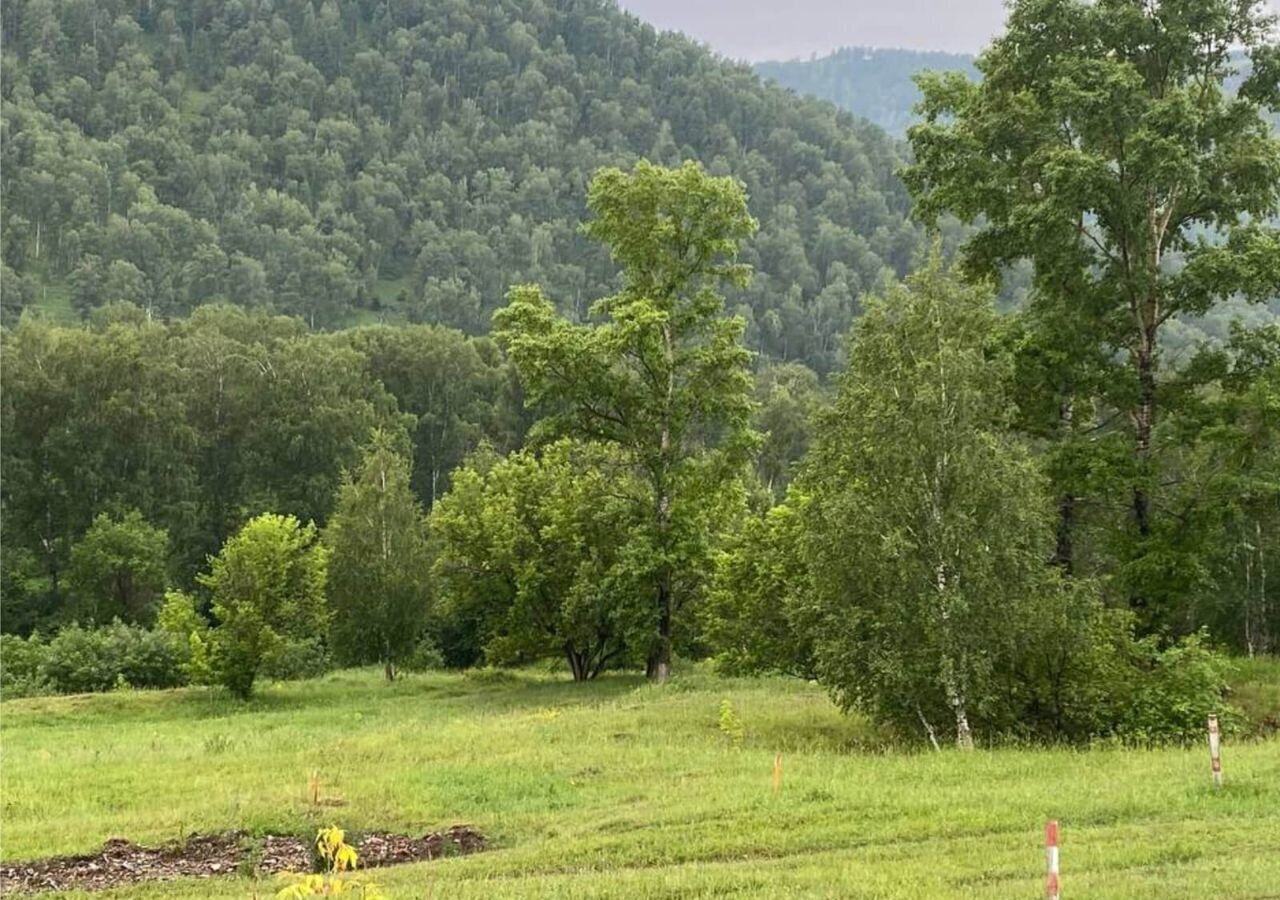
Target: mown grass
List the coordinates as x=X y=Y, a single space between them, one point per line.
x=622 y=789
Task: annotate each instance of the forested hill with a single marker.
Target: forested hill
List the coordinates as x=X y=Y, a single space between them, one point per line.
x=873 y=83
x=878 y=84
x=405 y=160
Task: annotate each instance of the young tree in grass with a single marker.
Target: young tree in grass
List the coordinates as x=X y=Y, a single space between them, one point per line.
x=379 y=569
x=927 y=535
x=118 y=569
x=268 y=586
x=1103 y=145
x=548 y=552
x=661 y=372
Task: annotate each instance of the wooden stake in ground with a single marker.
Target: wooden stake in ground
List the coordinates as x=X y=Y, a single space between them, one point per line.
x=1215 y=751
x=1051 y=859
x=777 y=774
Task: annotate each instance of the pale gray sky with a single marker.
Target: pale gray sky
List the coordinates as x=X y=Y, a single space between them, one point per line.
x=781 y=29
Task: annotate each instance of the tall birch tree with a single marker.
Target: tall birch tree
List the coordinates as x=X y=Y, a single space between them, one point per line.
x=927 y=529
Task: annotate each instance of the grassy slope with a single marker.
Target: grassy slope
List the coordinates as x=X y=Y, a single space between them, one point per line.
x=619 y=789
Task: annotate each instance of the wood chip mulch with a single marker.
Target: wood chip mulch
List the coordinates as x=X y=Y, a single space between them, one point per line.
x=121 y=862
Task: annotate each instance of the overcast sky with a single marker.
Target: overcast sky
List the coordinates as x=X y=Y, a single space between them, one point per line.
x=781 y=29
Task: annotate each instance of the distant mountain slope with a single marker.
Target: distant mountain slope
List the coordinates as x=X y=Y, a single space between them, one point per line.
x=877 y=85
x=407 y=159
x=872 y=83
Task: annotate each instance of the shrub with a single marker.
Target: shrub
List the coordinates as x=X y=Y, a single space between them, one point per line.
x=180 y=618
x=426 y=657
x=268 y=587
x=80 y=660
x=1081 y=674
x=295 y=659
x=148 y=659
x=21 y=666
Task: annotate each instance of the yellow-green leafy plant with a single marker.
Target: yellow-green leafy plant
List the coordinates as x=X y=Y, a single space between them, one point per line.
x=339 y=858
x=730 y=725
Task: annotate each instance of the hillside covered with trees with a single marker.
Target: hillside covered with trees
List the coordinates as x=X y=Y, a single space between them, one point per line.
x=350 y=162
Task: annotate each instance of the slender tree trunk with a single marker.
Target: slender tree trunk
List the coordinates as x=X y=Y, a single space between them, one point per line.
x=1064 y=553
x=1144 y=419
x=964 y=733
x=658 y=666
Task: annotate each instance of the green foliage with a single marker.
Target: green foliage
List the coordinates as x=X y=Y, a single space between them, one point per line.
x=661 y=373
x=789 y=396
x=305 y=158
x=730 y=725
x=1104 y=145
x=117 y=570
x=926 y=529
x=296 y=659
x=79 y=660
x=379 y=568
x=268 y=587
x=547 y=554
x=200 y=423
x=21 y=666
x=180 y=617
x=754 y=617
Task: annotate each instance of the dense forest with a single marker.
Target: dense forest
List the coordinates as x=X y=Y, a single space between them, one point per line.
x=467 y=333
x=406 y=161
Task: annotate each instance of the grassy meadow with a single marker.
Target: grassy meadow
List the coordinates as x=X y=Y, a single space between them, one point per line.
x=623 y=789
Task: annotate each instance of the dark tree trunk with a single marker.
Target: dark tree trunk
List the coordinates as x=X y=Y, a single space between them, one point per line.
x=1144 y=418
x=577 y=663
x=1064 y=553
x=658 y=665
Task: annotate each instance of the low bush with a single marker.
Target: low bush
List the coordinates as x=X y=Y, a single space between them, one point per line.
x=426 y=657
x=21 y=666
x=1082 y=675
x=295 y=659
x=80 y=660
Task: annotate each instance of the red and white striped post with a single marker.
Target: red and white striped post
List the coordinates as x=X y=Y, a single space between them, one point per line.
x=1051 y=859
x=1215 y=751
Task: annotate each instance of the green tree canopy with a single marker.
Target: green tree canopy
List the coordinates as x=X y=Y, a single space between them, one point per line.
x=118 y=569
x=548 y=553
x=379 y=569
x=268 y=585
x=927 y=521
x=1103 y=144
x=661 y=372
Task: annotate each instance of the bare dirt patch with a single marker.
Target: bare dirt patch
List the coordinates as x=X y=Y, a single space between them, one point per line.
x=121 y=862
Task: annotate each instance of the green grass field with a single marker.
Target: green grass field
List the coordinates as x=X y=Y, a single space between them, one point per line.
x=622 y=789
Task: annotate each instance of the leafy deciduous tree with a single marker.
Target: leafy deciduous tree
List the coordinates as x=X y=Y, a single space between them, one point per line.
x=1103 y=145
x=118 y=569
x=548 y=553
x=662 y=373
x=268 y=585
x=928 y=536
x=379 y=569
